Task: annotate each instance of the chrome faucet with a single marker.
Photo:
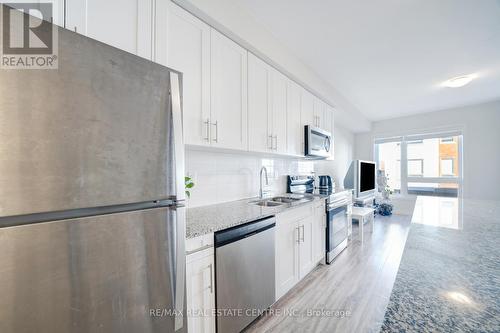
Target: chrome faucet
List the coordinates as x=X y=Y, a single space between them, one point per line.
x=263 y=169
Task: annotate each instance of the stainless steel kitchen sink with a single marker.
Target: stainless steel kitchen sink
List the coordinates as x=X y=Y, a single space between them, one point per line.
x=267 y=203
x=285 y=199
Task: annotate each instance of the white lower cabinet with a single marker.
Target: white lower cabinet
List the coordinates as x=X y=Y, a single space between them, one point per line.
x=306 y=253
x=287 y=255
x=200 y=291
x=296 y=251
x=319 y=231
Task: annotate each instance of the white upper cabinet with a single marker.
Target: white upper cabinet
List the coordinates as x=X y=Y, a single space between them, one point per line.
x=125 y=24
x=319 y=113
x=259 y=105
x=267 y=107
x=279 y=111
x=295 y=128
x=231 y=99
x=57 y=17
x=307 y=108
x=328 y=119
x=183 y=43
x=228 y=93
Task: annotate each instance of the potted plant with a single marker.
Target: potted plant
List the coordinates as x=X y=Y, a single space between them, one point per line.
x=189 y=184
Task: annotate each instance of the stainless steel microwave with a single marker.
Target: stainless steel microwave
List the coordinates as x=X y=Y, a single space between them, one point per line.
x=318 y=142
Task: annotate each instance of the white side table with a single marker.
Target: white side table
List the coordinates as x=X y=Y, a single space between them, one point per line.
x=363 y=214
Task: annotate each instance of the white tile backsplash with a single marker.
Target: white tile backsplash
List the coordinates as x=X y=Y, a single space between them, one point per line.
x=221 y=177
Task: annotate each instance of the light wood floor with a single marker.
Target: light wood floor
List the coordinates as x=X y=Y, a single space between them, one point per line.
x=360 y=281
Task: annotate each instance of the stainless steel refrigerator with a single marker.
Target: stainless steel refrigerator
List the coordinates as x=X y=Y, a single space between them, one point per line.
x=92 y=223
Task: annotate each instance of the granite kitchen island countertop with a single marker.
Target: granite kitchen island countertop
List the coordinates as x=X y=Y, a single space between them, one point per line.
x=208 y=219
x=449 y=277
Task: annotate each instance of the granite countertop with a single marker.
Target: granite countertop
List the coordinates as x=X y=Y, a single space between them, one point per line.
x=207 y=219
x=449 y=278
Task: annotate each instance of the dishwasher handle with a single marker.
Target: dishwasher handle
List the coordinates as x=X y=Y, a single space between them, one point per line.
x=236 y=233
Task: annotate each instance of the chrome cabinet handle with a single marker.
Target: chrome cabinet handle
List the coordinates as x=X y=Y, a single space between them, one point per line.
x=301 y=239
x=207 y=128
x=298 y=234
x=276 y=142
x=211 y=279
x=270 y=146
x=216 y=124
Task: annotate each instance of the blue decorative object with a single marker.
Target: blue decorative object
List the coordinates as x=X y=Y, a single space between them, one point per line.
x=385 y=209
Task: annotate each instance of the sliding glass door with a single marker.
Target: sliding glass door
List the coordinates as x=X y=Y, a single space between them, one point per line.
x=429 y=164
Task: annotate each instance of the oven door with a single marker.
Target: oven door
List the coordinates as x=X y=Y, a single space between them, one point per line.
x=318 y=142
x=336 y=232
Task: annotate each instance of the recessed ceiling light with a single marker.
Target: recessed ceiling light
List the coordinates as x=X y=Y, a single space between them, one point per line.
x=459 y=81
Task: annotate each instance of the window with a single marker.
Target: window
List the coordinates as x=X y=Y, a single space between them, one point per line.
x=389 y=163
x=415 y=167
x=421 y=164
x=447 y=167
x=447 y=140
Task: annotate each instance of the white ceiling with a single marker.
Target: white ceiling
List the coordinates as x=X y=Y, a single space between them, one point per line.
x=389 y=57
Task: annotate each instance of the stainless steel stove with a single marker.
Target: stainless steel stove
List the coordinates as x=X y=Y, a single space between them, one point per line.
x=338 y=203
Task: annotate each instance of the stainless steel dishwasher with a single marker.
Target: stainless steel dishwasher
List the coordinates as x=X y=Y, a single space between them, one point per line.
x=244 y=273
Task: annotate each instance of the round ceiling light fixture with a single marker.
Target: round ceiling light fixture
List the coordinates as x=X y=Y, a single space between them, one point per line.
x=459 y=81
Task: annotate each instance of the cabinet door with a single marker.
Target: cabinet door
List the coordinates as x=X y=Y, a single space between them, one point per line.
x=319 y=232
x=278 y=101
x=295 y=129
x=306 y=248
x=319 y=113
x=259 y=105
x=125 y=24
x=331 y=123
x=328 y=119
x=307 y=108
x=287 y=257
x=228 y=93
x=57 y=17
x=183 y=43
x=200 y=292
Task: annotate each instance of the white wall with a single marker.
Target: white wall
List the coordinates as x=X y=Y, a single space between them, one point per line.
x=222 y=176
x=239 y=25
x=344 y=153
x=481 y=144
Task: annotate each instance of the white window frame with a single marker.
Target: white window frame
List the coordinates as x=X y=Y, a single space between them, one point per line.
x=452 y=166
x=409 y=139
x=421 y=166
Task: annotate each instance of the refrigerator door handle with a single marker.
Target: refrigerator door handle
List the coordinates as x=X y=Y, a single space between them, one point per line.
x=178 y=136
x=180 y=271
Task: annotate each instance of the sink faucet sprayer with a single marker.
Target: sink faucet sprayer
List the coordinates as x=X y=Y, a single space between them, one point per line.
x=263 y=169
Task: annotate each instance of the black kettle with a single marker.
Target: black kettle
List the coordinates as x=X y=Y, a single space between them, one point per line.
x=325 y=182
